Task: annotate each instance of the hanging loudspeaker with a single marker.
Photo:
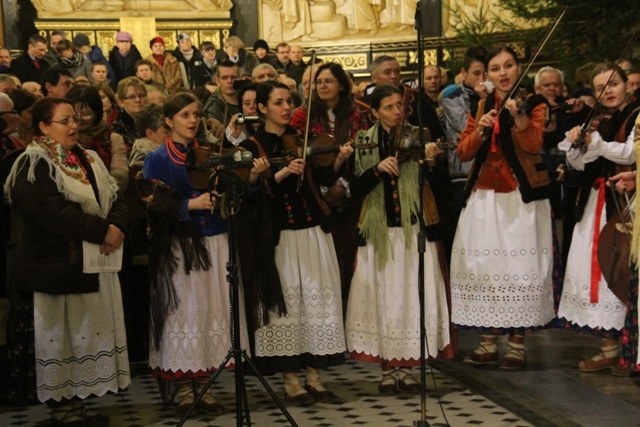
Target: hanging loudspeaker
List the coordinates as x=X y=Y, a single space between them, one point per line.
x=431 y=17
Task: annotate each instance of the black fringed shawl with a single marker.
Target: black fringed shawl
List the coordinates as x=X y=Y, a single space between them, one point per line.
x=256 y=252
x=163 y=208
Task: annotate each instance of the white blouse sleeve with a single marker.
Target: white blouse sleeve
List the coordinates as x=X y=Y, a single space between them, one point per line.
x=620 y=153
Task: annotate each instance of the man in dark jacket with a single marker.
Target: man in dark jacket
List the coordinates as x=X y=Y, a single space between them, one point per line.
x=189 y=59
x=123 y=56
x=29 y=66
x=206 y=72
x=93 y=53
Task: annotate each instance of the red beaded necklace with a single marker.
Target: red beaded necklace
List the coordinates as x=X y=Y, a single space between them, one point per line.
x=175 y=155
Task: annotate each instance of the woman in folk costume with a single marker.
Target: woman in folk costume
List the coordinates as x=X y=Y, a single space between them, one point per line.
x=70 y=209
x=333 y=113
x=502 y=257
x=311 y=334
x=383 y=310
x=588 y=303
x=189 y=252
x=629 y=344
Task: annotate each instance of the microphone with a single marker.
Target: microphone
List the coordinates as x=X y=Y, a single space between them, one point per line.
x=239 y=159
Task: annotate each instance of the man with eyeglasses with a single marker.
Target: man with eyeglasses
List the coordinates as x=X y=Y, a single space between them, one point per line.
x=29 y=66
x=223 y=104
x=283 y=50
x=56 y=82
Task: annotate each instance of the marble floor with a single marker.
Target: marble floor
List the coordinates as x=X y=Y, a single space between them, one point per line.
x=549 y=392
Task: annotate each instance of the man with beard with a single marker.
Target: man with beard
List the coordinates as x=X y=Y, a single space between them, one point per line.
x=5 y=60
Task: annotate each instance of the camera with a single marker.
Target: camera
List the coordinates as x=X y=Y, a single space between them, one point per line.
x=240 y=84
x=242 y=119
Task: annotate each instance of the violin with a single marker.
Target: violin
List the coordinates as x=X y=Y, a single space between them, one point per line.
x=322 y=148
x=199 y=156
x=407 y=144
x=597 y=114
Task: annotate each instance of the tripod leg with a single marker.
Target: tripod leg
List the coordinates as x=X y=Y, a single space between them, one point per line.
x=269 y=390
x=241 y=392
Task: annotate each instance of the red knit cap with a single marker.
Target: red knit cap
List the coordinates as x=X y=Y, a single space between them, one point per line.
x=156 y=40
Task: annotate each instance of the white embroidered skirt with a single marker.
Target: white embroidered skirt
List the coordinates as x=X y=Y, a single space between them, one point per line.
x=196 y=336
x=81 y=343
x=308 y=268
x=575 y=305
x=502 y=262
x=384 y=309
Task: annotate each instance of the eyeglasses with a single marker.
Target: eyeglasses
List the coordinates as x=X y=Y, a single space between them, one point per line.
x=67 y=122
x=136 y=97
x=326 y=82
x=8 y=112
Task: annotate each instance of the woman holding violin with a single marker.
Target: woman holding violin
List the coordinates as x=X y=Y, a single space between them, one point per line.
x=630 y=349
x=383 y=308
x=589 y=303
x=333 y=113
x=311 y=334
x=188 y=254
x=502 y=257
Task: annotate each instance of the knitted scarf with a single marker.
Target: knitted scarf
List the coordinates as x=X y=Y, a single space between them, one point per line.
x=74 y=62
x=373 y=217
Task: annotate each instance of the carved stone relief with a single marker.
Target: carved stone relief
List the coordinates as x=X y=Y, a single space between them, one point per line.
x=176 y=9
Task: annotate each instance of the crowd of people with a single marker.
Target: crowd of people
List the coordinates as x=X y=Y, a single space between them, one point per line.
x=115 y=253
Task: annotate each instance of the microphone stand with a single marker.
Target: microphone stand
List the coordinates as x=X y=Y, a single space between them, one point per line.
x=422 y=422
x=233 y=186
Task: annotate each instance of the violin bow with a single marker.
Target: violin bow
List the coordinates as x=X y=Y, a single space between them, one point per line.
x=545 y=39
x=550 y=29
x=592 y=114
x=308 y=125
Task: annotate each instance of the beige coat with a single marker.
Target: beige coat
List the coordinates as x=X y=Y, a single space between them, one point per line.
x=169 y=75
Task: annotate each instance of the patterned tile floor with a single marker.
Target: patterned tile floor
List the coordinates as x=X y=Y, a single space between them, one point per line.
x=358 y=403
x=550 y=392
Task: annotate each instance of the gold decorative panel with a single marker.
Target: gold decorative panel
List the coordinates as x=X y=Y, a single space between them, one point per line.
x=348 y=62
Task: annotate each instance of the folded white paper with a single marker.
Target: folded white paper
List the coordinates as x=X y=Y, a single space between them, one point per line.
x=95 y=262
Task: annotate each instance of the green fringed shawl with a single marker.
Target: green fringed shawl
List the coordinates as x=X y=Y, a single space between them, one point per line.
x=373 y=223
